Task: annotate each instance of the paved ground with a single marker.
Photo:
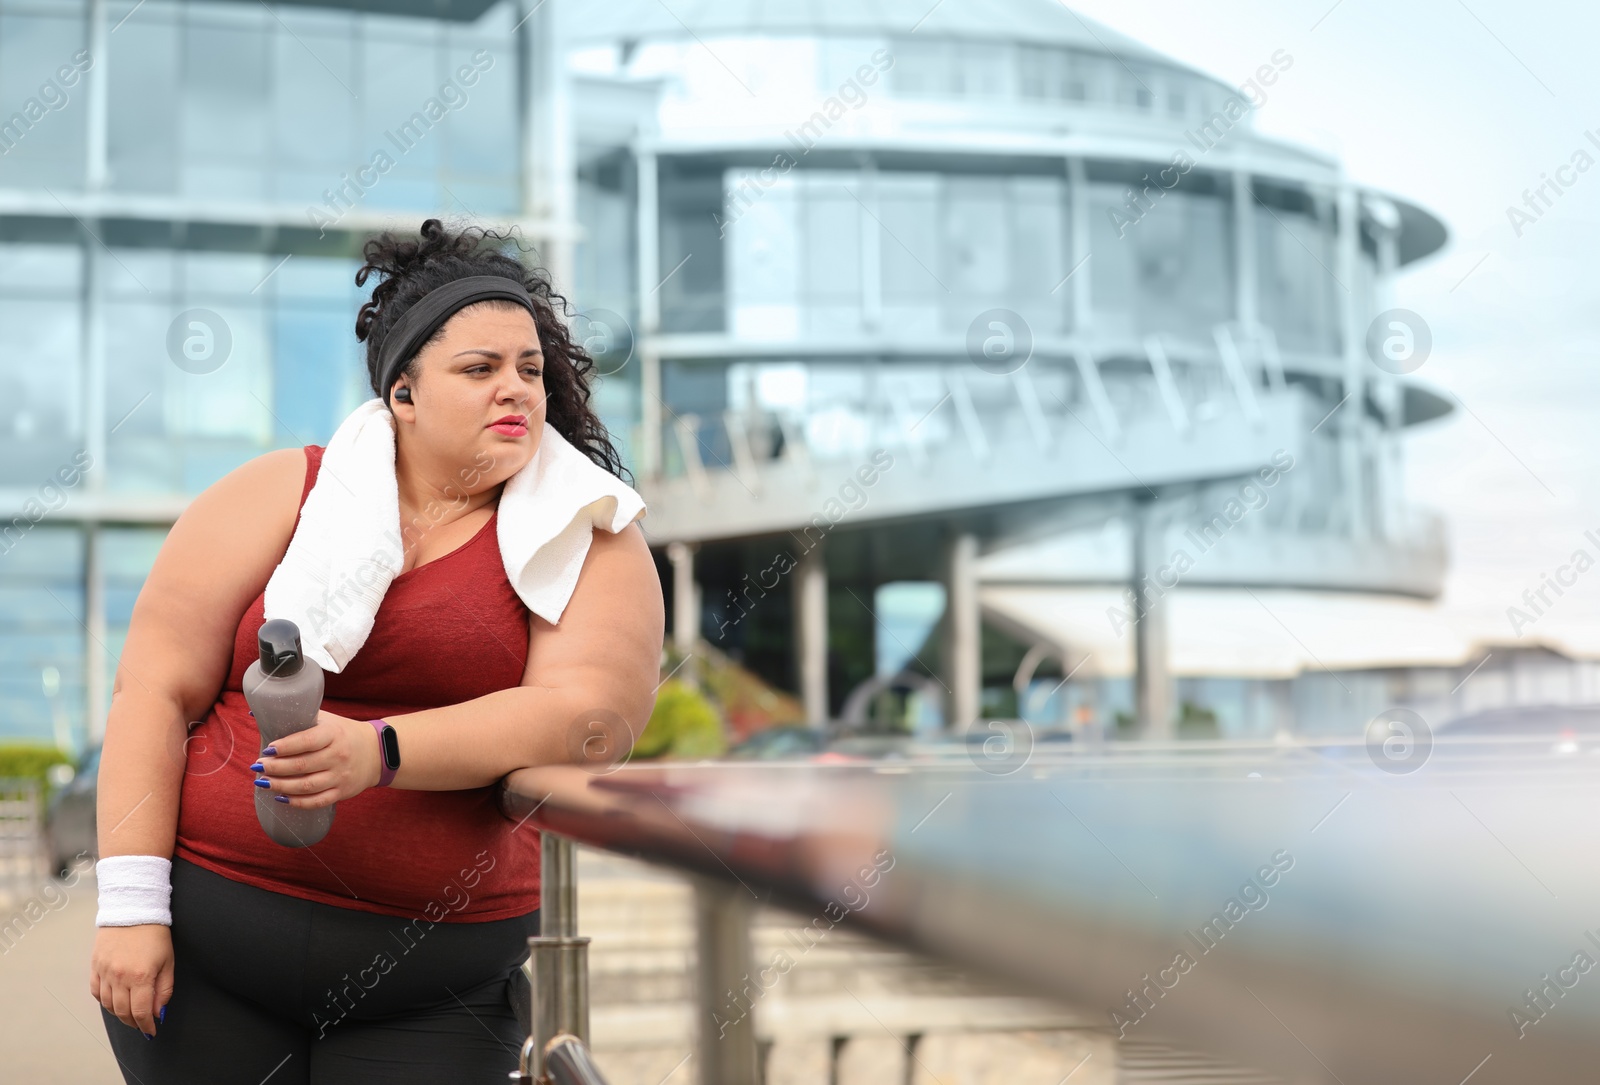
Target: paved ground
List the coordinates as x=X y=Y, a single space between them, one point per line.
x=50 y=1029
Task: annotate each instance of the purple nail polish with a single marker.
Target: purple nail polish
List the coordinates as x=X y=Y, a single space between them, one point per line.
x=269 y=751
x=147 y=1035
x=281 y=798
x=161 y=1014
x=263 y=783
x=257 y=767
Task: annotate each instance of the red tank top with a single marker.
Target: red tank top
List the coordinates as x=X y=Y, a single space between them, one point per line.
x=448 y=631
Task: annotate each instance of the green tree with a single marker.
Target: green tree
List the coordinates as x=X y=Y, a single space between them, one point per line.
x=683 y=724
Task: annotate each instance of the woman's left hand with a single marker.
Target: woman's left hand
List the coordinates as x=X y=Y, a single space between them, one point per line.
x=335 y=760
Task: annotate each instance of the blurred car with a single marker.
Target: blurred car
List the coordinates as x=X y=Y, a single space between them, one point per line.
x=1578 y=720
x=69 y=819
x=779 y=743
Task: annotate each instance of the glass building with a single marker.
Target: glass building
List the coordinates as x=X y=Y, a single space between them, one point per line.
x=1027 y=275
x=184 y=187
x=1055 y=276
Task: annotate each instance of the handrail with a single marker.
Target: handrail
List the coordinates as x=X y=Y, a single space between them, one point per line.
x=567 y=1061
x=1326 y=911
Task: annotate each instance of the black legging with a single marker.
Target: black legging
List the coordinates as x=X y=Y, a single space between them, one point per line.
x=272 y=987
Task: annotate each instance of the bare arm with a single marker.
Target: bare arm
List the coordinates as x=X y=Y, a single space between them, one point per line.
x=214 y=562
x=599 y=664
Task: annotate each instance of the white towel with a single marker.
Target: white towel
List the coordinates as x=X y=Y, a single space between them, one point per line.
x=347 y=546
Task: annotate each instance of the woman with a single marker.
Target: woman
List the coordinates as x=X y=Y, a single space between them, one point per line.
x=391 y=950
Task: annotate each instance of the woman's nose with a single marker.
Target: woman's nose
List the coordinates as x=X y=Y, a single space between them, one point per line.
x=512 y=390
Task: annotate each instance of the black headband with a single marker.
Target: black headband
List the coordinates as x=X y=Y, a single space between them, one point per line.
x=418 y=323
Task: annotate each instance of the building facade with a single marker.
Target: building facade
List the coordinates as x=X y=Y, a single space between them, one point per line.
x=1054 y=278
x=184 y=187
x=885 y=300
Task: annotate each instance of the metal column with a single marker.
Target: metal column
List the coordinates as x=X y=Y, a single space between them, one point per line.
x=725 y=1033
x=647 y=222
x=1246 y=309
x=811 y=633
x=1352 y=419
x=547 y=146
x=1078 y=203
x=558 y=961
x=685 y=609
x=96 y=666
x=1152 y=682
x=963 y=631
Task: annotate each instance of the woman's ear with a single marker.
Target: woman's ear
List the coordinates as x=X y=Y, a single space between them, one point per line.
x=400 y=402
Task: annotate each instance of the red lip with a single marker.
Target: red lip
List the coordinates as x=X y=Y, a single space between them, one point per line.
x=512 y=425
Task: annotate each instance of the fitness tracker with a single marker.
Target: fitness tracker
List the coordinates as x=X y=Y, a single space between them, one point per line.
x=389 y=744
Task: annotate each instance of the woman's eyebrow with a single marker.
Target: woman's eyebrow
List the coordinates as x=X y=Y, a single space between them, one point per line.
x=533 y=352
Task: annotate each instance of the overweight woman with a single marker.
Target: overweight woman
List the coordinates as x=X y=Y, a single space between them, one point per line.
x=390 y=951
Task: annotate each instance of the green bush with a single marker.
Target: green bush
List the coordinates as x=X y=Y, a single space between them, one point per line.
x=682 y=724
x=1197 y=721
x=32 y=761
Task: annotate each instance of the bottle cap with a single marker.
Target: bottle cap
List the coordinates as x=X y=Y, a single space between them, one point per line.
x=279 y=641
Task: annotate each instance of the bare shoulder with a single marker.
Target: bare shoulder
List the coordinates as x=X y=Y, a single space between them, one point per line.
x=621 y=572
x=215 y=561
x=245 y=519
x=263 y=490
x=614 y=619
x=626 y=547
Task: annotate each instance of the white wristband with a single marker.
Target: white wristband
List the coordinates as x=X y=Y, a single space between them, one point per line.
x=134 y=889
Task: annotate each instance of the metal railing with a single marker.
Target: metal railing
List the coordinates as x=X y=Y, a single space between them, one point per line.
x=558 y=974
x=1381 y=933
x=1245 y=360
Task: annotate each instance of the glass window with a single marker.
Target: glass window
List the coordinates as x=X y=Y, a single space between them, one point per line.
x=1090 y=77
x=1177 y=99
x=479 y=89
x=1040 y=252
x=1165 y=268
x=27 y=268
x=982 y=69
x=316 y=366
x=399 y=76
x=976 y=250
x=142 y=139
x=127 y=554
x=1295 y=245
x=234 y=102
x=922 y=68
x=766 y=254
x=42 y=636
x=831 y=234
x=318 y=278
x=41 y=394
x=42 y=90
x=691 y=273
x=908 y=244
x=1038 y=71
x=222 y=111
x=605 y=275
x=314 y=112
x=294 y=368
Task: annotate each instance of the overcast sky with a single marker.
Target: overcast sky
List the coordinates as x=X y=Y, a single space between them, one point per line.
x=1460 y=107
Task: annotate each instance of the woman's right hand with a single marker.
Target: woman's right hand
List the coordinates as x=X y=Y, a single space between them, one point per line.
x=130 y=972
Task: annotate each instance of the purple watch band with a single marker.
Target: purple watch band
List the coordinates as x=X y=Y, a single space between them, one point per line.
x=385 y=773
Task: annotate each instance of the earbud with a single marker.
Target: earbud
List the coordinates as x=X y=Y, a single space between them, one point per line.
x=403 y=394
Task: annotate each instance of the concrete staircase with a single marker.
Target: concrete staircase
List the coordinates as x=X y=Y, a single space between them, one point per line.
x=848 y=1012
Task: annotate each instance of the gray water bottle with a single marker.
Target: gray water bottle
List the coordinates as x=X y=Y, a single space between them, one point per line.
x=284 y=690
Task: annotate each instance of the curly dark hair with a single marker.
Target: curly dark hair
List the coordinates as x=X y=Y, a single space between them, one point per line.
x=409 y=268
